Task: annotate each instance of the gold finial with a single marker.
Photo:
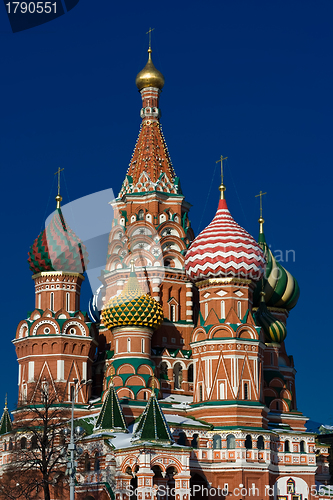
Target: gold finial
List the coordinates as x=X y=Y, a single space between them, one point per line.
x=149 y=33
x=111 y=374
x=6 y=405
x=222 y=188
x=261 y=220
x=58 y=197
x=132 y=265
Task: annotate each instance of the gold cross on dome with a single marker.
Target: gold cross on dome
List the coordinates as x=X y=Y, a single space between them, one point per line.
x=221 y=160
x=149 y=32
x=58 y=173
x=261 y=194
x=58 y=197
x=222 y=188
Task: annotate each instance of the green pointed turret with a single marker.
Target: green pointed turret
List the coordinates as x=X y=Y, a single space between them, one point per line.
x=111 y=417
x=152 y=426
x=5 y=422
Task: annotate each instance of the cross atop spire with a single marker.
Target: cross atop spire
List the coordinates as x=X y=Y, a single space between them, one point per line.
x=222 y=187
x=149 y=32
x=261 y=220
x=58 y=197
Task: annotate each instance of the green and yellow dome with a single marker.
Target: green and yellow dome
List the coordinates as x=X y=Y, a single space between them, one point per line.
x=133 y=307
x=280 y=287
x=274 y=330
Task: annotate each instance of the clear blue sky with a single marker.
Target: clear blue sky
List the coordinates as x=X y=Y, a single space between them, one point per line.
x=249 y=79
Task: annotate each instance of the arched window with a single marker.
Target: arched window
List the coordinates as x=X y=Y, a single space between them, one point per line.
x=181 y=439
x=96 y=463
x=260 y=443
x=248 y=442
x=142 y=345
x=302 y=447
x=173 y=313
x=190 y=373
x=206 y=310
x=117 y=346
x=231 y=442
x=128 y=345
x=246 y=391
x=290 y=486
x=239 y=309
x=52 y=301
x=164 y=371
x=177 y=376
x=222 y=309
x=86 y=463
x=67 y=301
x=141 y=215
x=194 y=442
x=34 y=442
x=39 y=301
x=287 y=446
x=222 y=390
x=10 y=444
x=23 y=443
x=217 y=443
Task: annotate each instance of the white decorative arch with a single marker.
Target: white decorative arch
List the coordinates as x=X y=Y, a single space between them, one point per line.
x=74 y=323
x=46 y=322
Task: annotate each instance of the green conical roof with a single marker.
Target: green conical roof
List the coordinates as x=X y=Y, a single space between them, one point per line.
x=111 y=417
x=152 y=426
x=5 y=422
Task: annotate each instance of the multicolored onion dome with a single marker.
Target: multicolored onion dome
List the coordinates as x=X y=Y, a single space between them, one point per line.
x=57 y=248
x=149 y=76
x=274 y=330
x=280 y=287
x=133 y=307
x=224 y=250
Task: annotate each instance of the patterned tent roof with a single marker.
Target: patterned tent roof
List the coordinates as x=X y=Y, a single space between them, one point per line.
x=57 y=248
x=274 y=330
x=223 y=250
x=5 y=422
x=280 y=287
x=152 y=426
x=111 y=416
x=132 y=307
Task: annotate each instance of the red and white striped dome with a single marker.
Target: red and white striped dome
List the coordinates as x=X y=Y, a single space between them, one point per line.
x=224 y=250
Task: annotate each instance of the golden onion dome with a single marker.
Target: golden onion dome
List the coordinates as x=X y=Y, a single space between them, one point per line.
x=149 y=76
x=133 y=307
x=274 y=330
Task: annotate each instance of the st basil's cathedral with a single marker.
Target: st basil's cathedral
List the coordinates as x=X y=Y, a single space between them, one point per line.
x=193 y=393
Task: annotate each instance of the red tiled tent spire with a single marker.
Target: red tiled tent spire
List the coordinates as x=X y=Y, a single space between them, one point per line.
x=150 y=168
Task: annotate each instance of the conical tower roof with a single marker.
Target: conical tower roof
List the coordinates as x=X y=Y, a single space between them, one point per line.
x=150 y=168
x=111 y=417
x=152 y=426
x=5 y=422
